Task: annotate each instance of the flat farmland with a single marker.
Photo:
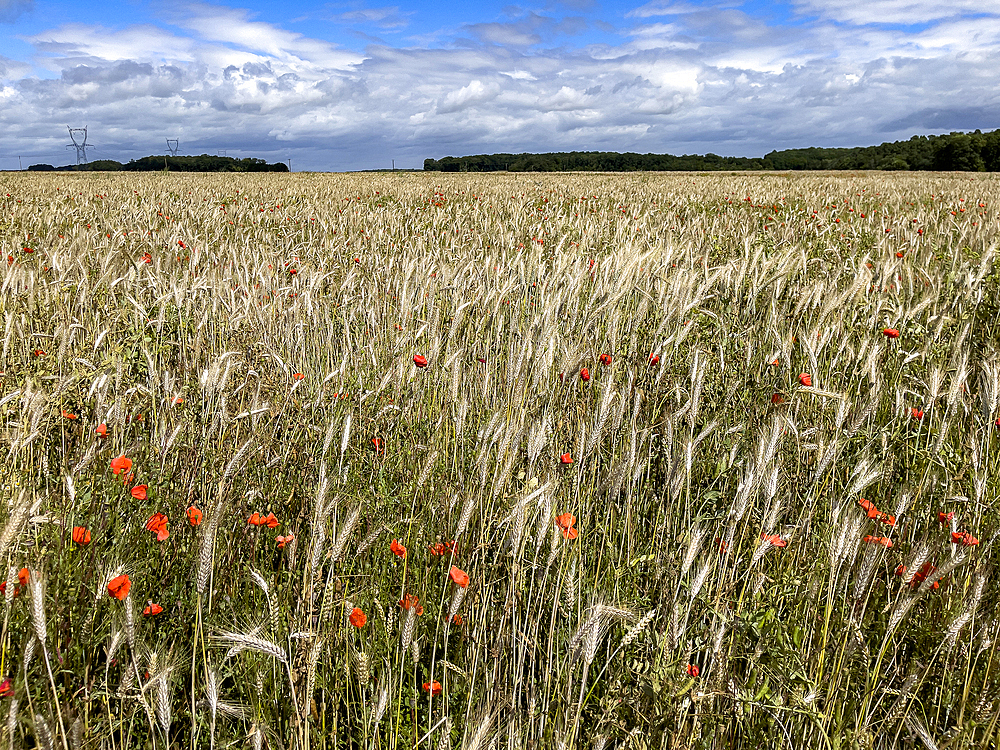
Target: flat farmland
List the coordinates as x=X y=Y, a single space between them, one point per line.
x=434 y=460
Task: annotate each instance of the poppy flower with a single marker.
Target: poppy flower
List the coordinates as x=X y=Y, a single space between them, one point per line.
x=805 y=379
x=256 y=519
x=565 y=458
x=378 y=444
x=604 y=359
x=692 y=669
x=358 y=618
x=283 y=540
x=653 y=359
x=68 y=415
x=194 y=516
x=887 y=519
x=946 y=517
x=883 y=540
x=22 y=576
x=298 y=376
x=269 y=520
x=891 y=333
x=565 y=522
x=868 y=505
x=398 y=549
x=420 y=360
x=102 y=430
x=39 y=352
x=152 y=609
x=121 y=464
x=139 y=492
x=147 y=258
x=177 y=401
x=457 y=619
x=6 y=689
x=81 y=535
x=409 y=601
x=920 y=576
x=916 y=413
x=775 y=540
x=584 y=374
x=434 y=688
x=777 y=398
x=157 y=523
x=459 y=576
x=965 y=539
x=119 y=586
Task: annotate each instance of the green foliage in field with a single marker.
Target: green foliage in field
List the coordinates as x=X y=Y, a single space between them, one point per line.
x=704 y=495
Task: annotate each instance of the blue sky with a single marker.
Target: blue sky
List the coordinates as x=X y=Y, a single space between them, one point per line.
x=356 y=85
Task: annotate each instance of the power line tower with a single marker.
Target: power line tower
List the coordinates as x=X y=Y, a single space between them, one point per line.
x=173 y=146
x=82 y=146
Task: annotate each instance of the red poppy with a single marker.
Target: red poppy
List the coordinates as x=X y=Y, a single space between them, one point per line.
x=139 y=492
x=565 y=458
x=157 y=523
x=946 y=517
x=270 y=521
x=420 y=360
x=378 y=444
x=604 y=359
x=194 y=516
x=256 y=519
x=868 y=505
x=119 y=586
x=177 y=401
x=883 y=540
x=891 y=333
x=965 y=539
x=398 y=549
x=457 y=619
x=584 y=374
x=460 y=577
x=409 y=602
x=920 y=576
x=653 y=359
x=152 y=609
x=68 y=415
x=121 y=464
x=147 y=258
x=81 y=535
x=22 y=576
x=358 y=618
x=298 y=376
x=916 y=413
x=6 y=689
x=434 y=688
x=565 y=522
x=775 y=540
x=102 y=430
x=283 y=540
x=777 y=398
x=805 y=379
x=887 y=519
x=39 y=352
x=692 y=669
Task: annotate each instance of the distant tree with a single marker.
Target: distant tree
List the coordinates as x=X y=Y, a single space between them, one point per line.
x=41 y=168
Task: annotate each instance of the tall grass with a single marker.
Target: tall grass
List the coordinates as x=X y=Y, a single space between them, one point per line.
x=685 y=543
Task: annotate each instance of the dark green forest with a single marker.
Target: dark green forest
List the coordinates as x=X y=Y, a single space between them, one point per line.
x=203 y=163
x=954 y=152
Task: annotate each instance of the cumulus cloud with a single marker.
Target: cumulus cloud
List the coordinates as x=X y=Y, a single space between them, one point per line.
x=723 y=81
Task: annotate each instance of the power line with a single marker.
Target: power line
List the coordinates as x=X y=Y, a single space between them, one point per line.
x=173 y=149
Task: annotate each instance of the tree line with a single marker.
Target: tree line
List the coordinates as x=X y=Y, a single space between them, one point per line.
x=203 y=163
x=954 y=152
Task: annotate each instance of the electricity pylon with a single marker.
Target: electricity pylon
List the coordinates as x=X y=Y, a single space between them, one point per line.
x=81 y=147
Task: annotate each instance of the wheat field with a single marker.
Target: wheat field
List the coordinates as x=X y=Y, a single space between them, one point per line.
x=499 y=461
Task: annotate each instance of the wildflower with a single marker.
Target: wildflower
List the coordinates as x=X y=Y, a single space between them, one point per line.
x=566 y=522
x=565 y=458
x=152 y=609
x=283 y=540
x=409 y=601
x=883 y=540
x=177 y=401
x=777 y=398
x=256 y=519
x=460 y=577
x=358 y=618
x=139 y=492
x=916 y=413
x=157 y=523
x=964 y=538
x=584 y=374
x=653 y=359
x=81 y=535
x=692 y=669
x=891 y=333
x=434 y=688
x=921 y=575
x=269 y=520
x=457 y=619
x=147 y=258
x=378 y=444
x=39 y=352
x=194 y=516
x=420 y=360
x=102 y=430
x=805 y=379
x=604 y=359
x=887 y=519
x=121 y=464
x=68 y=414
x=775 y=540
x=298 y=376
x=398 y=549
x=22 y=576
x=946 y=517
x=6 y=689
x=119 y=586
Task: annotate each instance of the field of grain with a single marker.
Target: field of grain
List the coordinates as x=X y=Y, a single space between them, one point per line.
x=499 y=461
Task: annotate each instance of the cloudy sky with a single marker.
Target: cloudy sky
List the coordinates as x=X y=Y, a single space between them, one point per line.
x=355 y=85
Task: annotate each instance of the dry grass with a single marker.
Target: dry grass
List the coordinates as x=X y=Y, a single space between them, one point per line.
x=726 y=589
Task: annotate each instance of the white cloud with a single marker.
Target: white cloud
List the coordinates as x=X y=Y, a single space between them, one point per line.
x=896 y=12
